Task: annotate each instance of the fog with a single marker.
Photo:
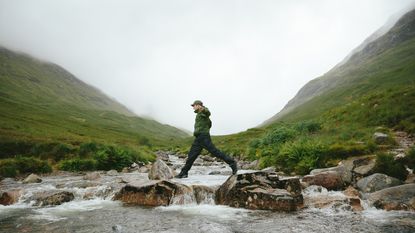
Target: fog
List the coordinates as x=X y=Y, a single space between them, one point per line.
x=244 y=59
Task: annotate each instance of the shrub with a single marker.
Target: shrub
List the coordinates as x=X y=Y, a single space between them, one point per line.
x=279 y=136
x=111 y=157
x=78 y=164
x=21 y=165
x=409 y=159
x=386 y=164
x=301 y=156
x=307 y=126
x=88 y=148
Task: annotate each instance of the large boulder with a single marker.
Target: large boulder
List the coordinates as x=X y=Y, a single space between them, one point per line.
x=52 y=198
x=346 y=175
x=377 y=182
x=155 y=193
x=359 y=166
x=10 y=197
x=160 y=171
x=32 y=178
x=331 y=180
x=261 y=190
x=400 y=197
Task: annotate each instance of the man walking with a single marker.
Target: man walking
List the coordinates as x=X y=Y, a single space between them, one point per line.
x=203 y=140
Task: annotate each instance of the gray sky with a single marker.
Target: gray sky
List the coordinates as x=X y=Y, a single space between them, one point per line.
x=244 y=59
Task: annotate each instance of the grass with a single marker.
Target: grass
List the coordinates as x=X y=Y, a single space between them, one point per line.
x=377 y=94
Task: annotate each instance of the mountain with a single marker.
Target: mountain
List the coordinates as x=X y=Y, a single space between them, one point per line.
x=335 y=116
x=383 y=61
x=42 y=101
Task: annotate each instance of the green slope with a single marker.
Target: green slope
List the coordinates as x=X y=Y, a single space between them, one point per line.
x=335 y=116
x=41 y=102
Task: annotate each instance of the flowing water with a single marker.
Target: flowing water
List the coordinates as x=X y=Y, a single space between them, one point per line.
x=92 y=210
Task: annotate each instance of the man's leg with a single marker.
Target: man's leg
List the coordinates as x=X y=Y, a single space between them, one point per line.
x=208 y=145
x=192 y=156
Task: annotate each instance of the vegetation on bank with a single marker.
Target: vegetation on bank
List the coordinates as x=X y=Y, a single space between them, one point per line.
x=30 y=157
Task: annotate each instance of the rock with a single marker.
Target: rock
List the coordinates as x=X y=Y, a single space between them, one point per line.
x=380 y=138
x=32 y=178
x=155 y=193
x=112 y=172
x=249 y=165
x=353 y=197
x=10 y=197
x=400 y=197
x=351 y=192
x=377 y=182
x=410 y=178
x=134 y=165
x=143 y=169
x=204 y=194
x=268 y=169
x=331 y=180
x=359 y=166
x=160 y=171
x=52 y=198
x=182 y=156
x=92 y=176
x=260 y=190
x=125 y=170
x=216 y=172
x=346 y=175
x=318 y=197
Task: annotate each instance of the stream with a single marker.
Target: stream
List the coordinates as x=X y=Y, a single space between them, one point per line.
x=92 y=210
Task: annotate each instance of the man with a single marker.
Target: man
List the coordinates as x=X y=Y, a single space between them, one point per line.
x=203 y=140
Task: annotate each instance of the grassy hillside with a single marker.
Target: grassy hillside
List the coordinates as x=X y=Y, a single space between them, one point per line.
x=44 y=108
x=335 y=116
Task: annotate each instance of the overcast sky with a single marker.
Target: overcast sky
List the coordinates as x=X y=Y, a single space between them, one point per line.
x=244 y=59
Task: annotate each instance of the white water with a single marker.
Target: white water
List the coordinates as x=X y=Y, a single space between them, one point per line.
x=92 y=210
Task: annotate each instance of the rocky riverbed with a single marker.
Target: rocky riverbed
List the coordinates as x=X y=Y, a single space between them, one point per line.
x=210 y=200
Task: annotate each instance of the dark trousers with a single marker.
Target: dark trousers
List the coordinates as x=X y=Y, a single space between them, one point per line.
x=203 y=141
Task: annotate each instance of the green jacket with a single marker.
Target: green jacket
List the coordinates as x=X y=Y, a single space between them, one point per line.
x=202 y=122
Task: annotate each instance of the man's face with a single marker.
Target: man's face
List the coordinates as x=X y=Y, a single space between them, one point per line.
x=196 y=107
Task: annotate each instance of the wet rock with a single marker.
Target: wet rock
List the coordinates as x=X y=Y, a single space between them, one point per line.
x=346 y=175
x=10 y=197
x=359 y=166
x=249 y=165
x=154 y=193
x=125 y=170
x=331 y=180
x=207 y=158
x=92 y=176
x=32 y=178
x=160 y=171
x=319 y=197
x=377 y=182
x=204 y=194
x=353 y=197
x=216 y=172
x=351 y=192
x=261 y=190
x=143 y=169
x=268 y=169
x=52 y=198
x=400 y=197
x=380 y=138
x=410 y=178
x=112 y=172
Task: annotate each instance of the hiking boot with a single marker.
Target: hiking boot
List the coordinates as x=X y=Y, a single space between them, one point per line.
x=234 y=167
x=181 y=175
